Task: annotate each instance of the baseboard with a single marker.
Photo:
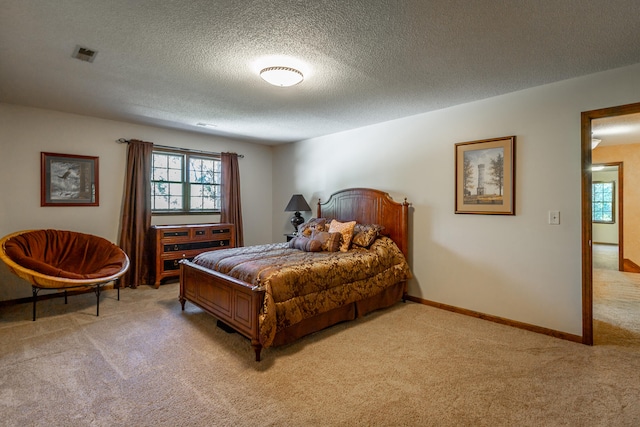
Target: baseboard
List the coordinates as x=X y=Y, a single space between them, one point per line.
x=59 y=294
x=501 y=320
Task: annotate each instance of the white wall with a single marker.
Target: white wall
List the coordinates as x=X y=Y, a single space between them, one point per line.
x=607 y=233
x=25 y=132
x=515 y=267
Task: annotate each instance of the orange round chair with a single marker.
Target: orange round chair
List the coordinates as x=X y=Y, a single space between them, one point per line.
x=62 y=260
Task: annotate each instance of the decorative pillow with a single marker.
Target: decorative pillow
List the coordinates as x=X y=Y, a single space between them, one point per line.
x=305 y=244
x=365 y=234
x=330 y=241
x=308 y=227
x=344 y=228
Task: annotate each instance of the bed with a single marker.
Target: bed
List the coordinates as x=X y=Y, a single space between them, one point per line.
x=274 y=294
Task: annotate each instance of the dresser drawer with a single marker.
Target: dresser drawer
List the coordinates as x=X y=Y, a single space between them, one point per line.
x=173 y=264
x=189 y=246
x=176 y=234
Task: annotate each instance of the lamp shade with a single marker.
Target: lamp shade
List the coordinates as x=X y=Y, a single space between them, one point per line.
x=297 y=203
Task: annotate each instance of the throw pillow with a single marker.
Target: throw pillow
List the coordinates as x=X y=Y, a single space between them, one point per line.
x=305 y=244
x=330 y=242
x=313 y=224
x=346 y=230
x=365 y=234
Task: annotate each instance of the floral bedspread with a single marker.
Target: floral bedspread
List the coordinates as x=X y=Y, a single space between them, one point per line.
x=299 y=284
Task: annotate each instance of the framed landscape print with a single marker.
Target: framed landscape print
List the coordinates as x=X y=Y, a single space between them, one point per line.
x=485 y=176
x=68 y=180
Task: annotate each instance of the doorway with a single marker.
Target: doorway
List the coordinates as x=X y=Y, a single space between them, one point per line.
x=587 y=210
x=607 y=214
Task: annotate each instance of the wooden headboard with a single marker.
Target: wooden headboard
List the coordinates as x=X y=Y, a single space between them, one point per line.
x=368 y=206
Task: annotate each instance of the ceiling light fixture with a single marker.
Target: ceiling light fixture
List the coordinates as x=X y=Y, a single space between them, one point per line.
x=281 y=76
x=595 y=142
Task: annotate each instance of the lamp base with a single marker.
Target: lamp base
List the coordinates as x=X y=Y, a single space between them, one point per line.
x=297 y=221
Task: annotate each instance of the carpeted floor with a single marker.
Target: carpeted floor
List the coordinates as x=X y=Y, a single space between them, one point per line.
x=616 y=300
x=605 y=257
x=143 y=362
x=616 y=308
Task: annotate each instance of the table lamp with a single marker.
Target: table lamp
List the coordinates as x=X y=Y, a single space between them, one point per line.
x=297 y=204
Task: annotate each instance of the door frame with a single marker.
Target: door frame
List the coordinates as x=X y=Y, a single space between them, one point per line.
x=587 y=233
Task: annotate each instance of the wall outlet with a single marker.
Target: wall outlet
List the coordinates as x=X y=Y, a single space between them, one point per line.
x=554 y=217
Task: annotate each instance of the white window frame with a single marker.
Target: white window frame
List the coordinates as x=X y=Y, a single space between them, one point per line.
x=180 y=182
x=594 y=201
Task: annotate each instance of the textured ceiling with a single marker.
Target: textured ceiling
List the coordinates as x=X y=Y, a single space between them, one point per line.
x=617 y=130
x=179 y=63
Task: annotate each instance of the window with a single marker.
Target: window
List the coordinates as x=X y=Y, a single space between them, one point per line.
x=185 y=183
x=603 y=200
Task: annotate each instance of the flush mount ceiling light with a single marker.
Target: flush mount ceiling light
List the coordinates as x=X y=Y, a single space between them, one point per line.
x=595 y=142
x=281 y=76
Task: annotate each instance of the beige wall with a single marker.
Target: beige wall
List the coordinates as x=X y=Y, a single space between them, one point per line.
x=516 y=267
x=25 y=132
x=629 y=155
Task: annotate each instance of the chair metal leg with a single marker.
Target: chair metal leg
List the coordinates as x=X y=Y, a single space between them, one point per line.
x=65 y=296
x=97 y=290
x=35 y=297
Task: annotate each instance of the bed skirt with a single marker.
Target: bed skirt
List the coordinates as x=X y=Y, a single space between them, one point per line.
x=386 y=298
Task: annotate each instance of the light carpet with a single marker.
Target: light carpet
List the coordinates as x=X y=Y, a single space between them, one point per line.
x=144 y=362
x=605 y=256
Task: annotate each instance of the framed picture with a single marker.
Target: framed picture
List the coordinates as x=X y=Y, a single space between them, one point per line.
x=485 y=176
x=68 y=180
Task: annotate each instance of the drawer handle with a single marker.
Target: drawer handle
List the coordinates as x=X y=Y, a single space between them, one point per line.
x=176 y=247
x=221 y=242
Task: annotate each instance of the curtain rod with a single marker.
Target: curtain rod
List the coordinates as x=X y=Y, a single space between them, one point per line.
x=188 y=150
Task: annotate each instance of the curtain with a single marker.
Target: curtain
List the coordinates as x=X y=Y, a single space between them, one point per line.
x=231 y=209
x=136 y=212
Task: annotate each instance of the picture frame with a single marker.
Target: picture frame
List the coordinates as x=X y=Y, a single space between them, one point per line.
x=485 y=176
x=68 y=180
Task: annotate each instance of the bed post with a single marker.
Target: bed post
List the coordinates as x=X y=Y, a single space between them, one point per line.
x=404 y=224
x=257 y=347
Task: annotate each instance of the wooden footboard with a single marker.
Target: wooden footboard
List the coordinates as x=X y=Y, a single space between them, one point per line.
x=234 y=302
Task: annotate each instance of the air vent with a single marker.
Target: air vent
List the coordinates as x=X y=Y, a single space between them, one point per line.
x=84 y=54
